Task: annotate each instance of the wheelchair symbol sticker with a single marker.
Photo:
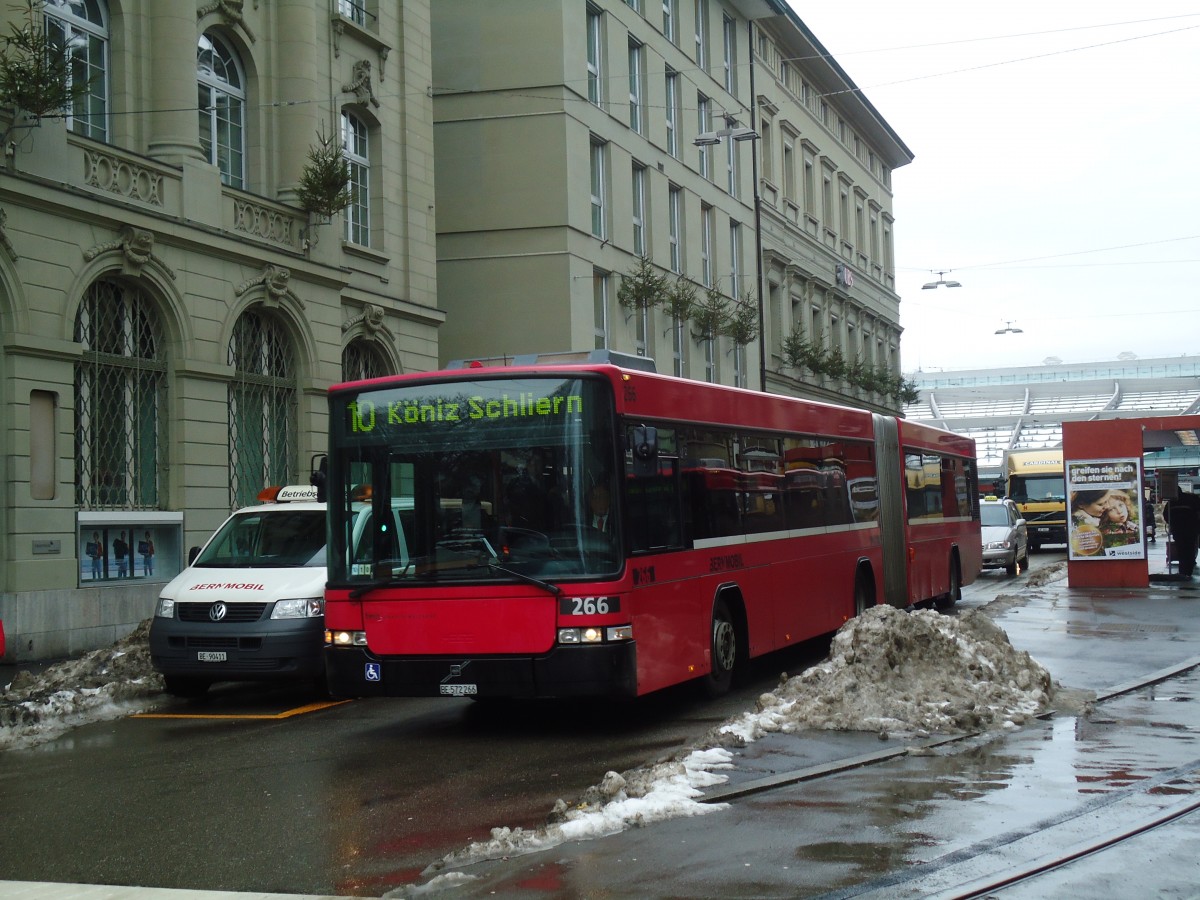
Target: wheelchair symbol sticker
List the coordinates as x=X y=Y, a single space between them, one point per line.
x=373 y=672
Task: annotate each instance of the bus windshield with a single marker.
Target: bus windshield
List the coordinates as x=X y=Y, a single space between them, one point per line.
x=490 y=479
x=1038 y=489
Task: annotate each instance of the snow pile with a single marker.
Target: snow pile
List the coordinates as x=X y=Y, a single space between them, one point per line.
x=666 y=790
x=888 y=671
x=910 y=673
x=101 y=685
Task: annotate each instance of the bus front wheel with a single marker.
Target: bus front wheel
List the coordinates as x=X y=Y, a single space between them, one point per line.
x=724 y=651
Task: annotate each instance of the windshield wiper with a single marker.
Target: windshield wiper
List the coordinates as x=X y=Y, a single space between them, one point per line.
x=528 y=579
x=368 y=587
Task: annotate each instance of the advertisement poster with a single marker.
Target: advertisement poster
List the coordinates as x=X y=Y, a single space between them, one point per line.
x=1105 y=500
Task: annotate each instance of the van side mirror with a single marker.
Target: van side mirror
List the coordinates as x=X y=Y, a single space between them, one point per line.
x=192 y=554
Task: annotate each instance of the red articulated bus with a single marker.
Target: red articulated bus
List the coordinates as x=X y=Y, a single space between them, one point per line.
x=550 y=529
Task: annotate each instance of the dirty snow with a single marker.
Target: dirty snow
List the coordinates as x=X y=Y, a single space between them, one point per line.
x=105 y=684
x=889 y=671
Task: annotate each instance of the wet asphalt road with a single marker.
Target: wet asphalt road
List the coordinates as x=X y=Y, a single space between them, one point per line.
x=316 y=803
x=959 y=817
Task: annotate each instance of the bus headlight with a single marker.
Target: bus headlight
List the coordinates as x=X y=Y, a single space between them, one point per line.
x=345 y=638
x=298 y=609
x=595 y=634
x=165 y=608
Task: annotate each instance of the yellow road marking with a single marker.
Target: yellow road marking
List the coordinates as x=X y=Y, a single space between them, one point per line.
x=286 y=714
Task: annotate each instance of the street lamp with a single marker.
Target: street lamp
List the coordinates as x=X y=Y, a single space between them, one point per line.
x=941 y=282
x=709 y=138
x=1008 y=328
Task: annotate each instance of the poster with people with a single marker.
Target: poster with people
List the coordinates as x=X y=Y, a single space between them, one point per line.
x=1105 y=520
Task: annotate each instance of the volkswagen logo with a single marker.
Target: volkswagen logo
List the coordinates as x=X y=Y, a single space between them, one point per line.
x=217 y=611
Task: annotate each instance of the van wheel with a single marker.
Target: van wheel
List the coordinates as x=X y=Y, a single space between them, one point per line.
x=183 y=686
x=724 y=652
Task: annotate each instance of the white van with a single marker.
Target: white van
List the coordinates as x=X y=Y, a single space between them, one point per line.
x=251 y=605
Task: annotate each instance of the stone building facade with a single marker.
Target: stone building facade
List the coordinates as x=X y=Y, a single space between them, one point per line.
x=169 y=315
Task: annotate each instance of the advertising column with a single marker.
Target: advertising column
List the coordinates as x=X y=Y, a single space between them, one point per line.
x=1104 y=500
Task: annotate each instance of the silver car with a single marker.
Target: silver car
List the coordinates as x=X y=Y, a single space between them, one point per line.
x=1005 y=539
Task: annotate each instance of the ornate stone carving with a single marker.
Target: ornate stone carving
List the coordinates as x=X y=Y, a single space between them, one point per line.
x=264 y=222
x=361 y=85
x=274 y=282
x=112 y=173
x=371 y=319
x=137 y=245
x=4 y=241
x=231 y=12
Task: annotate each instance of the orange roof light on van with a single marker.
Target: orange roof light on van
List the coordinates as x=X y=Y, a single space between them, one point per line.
x=268 y=494
x=361 y=494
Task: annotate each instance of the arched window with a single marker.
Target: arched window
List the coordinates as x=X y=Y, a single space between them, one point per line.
x=120 y=399
x=262 y=408
x=358 y=213
x=222 y=102
x=361 y=359
x=82 y=26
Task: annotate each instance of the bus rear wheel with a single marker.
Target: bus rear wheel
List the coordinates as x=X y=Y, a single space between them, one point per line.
x=954 y=594
x=724 y=651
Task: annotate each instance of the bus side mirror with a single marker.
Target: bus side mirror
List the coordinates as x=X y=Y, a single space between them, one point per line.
x=645 y=450
x=319 y=478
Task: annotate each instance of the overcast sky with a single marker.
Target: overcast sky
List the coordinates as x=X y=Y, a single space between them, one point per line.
x=1057 y=172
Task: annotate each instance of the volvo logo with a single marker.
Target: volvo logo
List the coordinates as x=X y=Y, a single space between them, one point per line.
x=217 y=611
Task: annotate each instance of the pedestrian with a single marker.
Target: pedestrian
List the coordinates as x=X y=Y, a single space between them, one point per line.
x=146 y=549
x=1148 y=521
x=95 y=551
x=1183 y=520
x=121 y=552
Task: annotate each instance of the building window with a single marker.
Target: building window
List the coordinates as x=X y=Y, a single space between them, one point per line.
x=677 y=347
x=827 y=201
x=702 y=35
x=354 y=11
x=810 y=188
x=703 y=124
x=710 y=360
x=641 y=338
x=706 y=245
x=729 y=57
x=599 y=217
x=670 y=25
x=731 y=166
x=639 y=209
x=81 y=25
x=120 y=399
x=735 y=260
x=595 y=69
x=675 y=224
x=222 y=101
x=357 y=153
x=767 y=156
x=635 y=5
x=600 y=308
x=362 y=359
x=789 y=168
x=262 y=408
x=672 y=101
x=636 y=66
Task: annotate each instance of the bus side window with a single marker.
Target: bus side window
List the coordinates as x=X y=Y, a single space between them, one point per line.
x=654 y=503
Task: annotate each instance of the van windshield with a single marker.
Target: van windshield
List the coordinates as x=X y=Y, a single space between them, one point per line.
x=267 y=539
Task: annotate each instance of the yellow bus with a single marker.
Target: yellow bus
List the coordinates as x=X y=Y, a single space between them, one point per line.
x=1035 y=481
